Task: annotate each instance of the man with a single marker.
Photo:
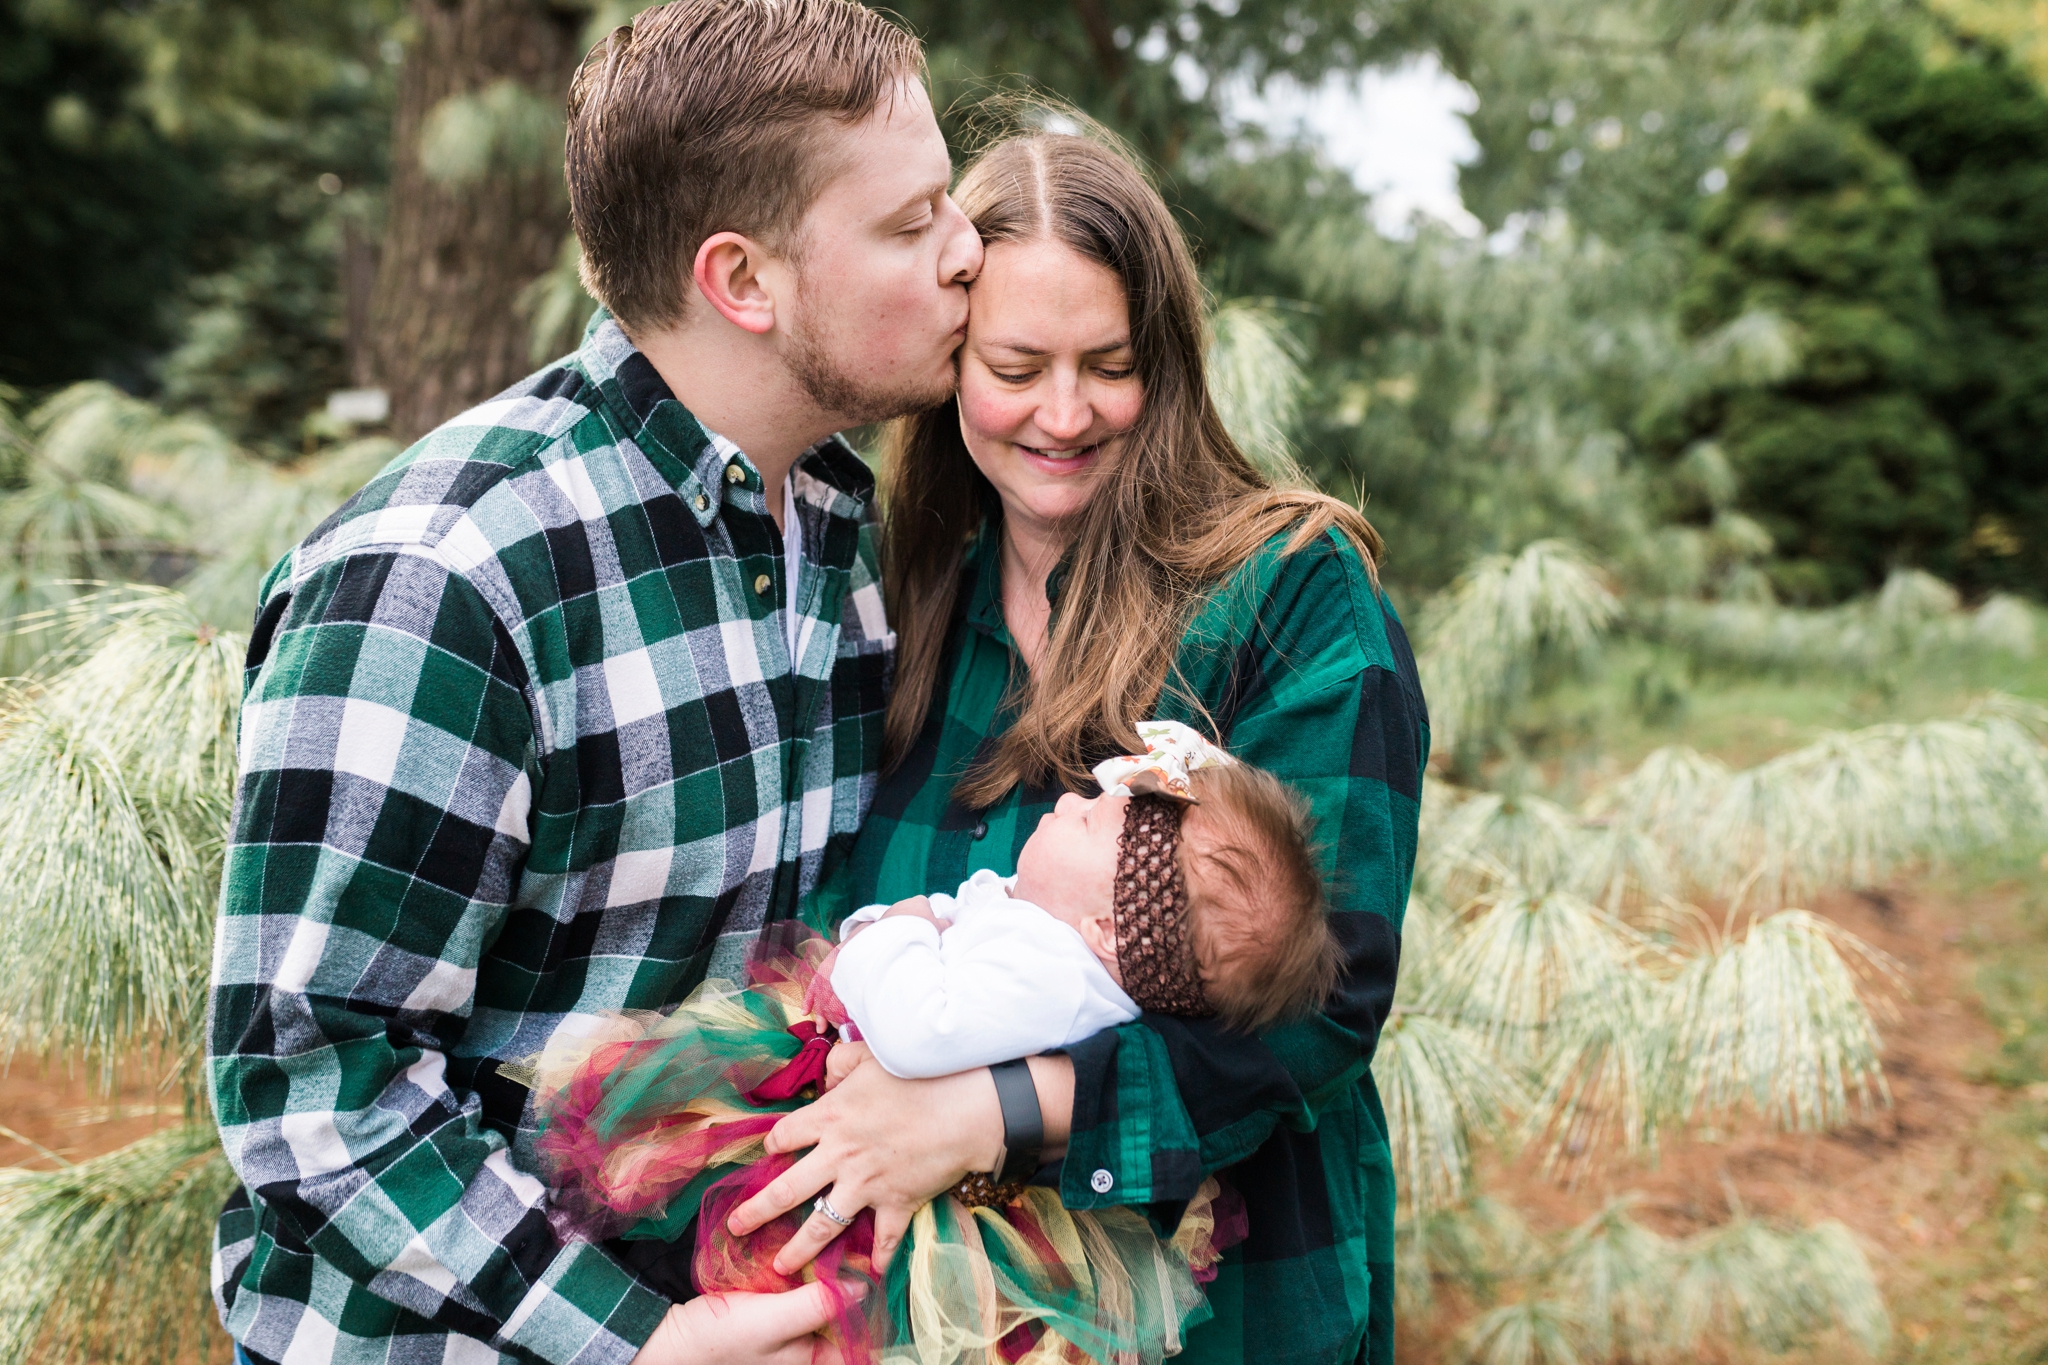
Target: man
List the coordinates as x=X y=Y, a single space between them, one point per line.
x=574 y=697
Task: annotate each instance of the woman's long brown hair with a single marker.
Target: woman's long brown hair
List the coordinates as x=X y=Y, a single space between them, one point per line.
x=1178 y=511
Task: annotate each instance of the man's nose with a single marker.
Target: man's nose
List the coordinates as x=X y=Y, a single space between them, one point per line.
x=960 y=259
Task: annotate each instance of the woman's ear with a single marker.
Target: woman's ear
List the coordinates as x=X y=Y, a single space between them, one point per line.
x=728 y=275
x=1099 y=933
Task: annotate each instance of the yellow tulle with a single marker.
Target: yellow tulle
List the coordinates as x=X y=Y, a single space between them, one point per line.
x=1096 y=1281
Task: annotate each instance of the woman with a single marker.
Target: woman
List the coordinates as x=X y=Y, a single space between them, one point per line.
x=1071 y=546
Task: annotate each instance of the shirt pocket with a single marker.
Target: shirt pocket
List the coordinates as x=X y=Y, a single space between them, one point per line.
x=862 y=674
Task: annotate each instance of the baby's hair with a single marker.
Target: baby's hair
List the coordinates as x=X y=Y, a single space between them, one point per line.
x=1261 y=931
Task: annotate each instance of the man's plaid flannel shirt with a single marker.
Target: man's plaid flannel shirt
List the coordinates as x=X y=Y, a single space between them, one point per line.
x=522 y=742
x=1302 y=666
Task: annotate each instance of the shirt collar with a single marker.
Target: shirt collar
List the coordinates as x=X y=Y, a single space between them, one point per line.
x=984 y=567
x=688 y=455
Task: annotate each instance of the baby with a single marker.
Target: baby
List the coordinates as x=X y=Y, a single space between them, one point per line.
x=1189 y=887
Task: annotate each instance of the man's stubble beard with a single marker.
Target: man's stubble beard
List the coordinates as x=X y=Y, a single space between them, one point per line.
x=835 y=391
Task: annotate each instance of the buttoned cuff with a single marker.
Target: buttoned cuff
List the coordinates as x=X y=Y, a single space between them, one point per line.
x=1132 y=1140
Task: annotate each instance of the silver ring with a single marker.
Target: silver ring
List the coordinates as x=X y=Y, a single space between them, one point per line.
x=824 y=1206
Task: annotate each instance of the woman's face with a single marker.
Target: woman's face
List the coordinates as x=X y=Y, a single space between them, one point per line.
x=1047 y=384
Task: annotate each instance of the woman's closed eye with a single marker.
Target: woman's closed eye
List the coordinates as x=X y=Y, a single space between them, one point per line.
x=1026 y=376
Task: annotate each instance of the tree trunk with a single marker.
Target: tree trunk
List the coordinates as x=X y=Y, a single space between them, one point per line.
x=446 y=330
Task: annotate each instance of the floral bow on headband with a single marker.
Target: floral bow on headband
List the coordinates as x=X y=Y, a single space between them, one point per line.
x=1172 y=751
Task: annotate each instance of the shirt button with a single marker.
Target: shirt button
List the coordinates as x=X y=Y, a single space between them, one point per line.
x=762 y=583
x=981 y=830
x=734 y=474
x=1101 y=1182
x=702 y=502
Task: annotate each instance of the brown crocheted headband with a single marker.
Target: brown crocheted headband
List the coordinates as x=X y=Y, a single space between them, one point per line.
x=1155 y=946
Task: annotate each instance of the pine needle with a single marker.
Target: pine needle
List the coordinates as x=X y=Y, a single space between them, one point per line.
x=1533 y=1332
x=1442 y=1089
x=1616 y=1274
x=1254 y=365
x=1501 y=621
x=1750 y=1285
x=115 y=784
x=1527 y=962
x=1777 y=1024
x=105 y=1262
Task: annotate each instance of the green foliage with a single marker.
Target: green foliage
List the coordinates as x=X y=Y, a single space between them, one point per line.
x=1255 y=373
x=1613 y=1290
x=183 y=173
x=503 y=128
x=1843 y=462
x=1562 y=992
x=115 y=784
x=106 y=1261
x=1915 y=619
x=104 y=212
x=1974 y=129
x=1503 y=623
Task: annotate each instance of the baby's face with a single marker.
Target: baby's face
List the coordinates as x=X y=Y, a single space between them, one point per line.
x=1068 y=865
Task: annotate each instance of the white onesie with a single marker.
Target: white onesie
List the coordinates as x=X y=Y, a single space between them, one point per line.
x=1005 y=980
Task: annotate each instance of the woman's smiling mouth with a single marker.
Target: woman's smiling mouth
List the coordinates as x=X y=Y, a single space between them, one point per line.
x=1069 y=455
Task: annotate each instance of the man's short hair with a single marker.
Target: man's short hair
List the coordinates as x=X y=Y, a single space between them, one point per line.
x=706 y=116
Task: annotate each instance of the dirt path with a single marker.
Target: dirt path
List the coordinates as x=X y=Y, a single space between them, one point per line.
x=1942 y=1188
x=65 y=1115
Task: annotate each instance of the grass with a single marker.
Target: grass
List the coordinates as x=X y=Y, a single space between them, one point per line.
x=1642 y=696
x=1982 y=1295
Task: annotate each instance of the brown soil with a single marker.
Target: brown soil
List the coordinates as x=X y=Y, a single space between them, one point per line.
x=70 y=1117
x=1928 y=1185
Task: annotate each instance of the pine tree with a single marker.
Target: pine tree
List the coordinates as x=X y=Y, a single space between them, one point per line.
x=1844 y=461
x=477 y=208
x=1974 y=129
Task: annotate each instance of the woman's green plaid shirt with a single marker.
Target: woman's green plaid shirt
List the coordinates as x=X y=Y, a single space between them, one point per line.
x=1304 y=670
x=522 y=741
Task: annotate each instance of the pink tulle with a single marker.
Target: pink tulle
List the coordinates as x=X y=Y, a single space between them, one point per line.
x=727 y=1264
x=628 y=1125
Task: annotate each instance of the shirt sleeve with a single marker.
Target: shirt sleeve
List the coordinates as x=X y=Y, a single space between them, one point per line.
x=1326 y=698
x=388 y=761
x=983 y=994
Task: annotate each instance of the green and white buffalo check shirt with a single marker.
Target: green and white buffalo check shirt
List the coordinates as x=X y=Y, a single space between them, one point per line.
x=523 y=741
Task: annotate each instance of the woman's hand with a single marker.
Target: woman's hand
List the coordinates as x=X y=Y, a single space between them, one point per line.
x=893 y=1145
x=742 y=1329
x=867 y=1153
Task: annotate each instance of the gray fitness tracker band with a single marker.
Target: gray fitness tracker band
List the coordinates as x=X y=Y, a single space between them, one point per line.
x=1023 y=1124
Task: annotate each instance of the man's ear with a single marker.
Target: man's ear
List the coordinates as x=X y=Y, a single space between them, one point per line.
x=1099 y=933
x=728 y=275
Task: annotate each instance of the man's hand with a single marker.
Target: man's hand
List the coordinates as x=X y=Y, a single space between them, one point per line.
x=741 y=1329
x=893 y=1145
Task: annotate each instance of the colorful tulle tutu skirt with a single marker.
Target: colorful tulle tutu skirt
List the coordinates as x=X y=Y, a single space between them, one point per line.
x=656 y=1121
